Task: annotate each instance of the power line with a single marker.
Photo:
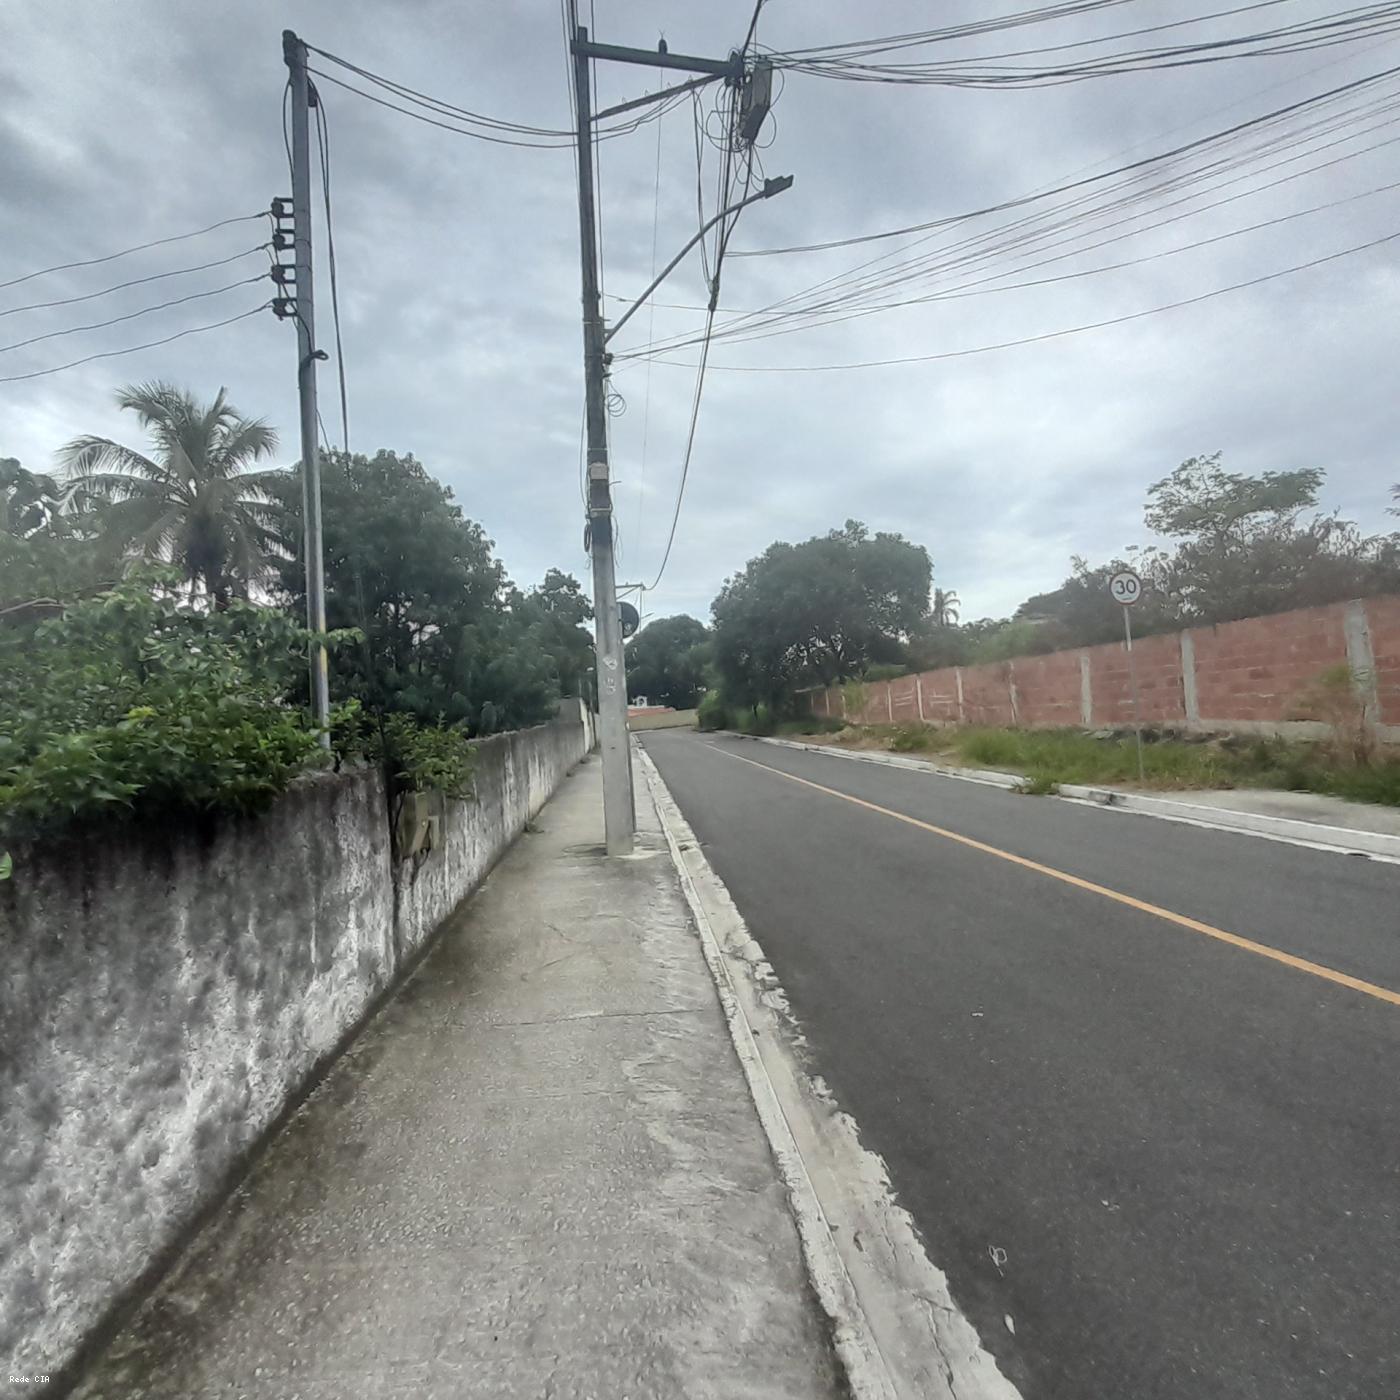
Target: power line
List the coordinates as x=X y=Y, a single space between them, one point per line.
x=136 y=282
x=1304 y=36
x=1016 y=20
x=689 y=449
x=978 y=287
x=850 y=291
x=132 y=315
x=1056 y=335
x=125 y=252
x=461 y=123
x=323 y=143
x=445 y=108
x=1005 y=205
x=727 y=182
x=131 y=349
x=651 y=332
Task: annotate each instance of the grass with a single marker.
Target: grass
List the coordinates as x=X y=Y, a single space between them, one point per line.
x=1048 y=758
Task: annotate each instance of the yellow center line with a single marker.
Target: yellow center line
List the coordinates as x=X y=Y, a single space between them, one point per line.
x=1328 y=974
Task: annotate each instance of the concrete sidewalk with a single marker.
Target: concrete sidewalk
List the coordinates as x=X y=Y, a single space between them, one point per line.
x=538 y=1173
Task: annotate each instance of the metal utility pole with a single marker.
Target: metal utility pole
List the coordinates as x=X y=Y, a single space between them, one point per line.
x=619 y=815
x=294 y=52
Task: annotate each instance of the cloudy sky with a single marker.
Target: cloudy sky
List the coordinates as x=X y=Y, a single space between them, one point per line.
x=131 y=121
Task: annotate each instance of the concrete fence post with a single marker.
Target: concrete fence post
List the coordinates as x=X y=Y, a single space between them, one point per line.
x=1188 y=682
x=919 y=696
x=1011 y=692
x=889 y=700
x=1086 y=692
x=1361 y=660
x=957 y=676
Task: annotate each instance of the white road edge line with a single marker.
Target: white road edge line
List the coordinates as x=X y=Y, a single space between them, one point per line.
x=896 y=1329
x=1289 y=831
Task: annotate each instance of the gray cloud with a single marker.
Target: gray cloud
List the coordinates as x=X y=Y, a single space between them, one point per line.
x=459 y=280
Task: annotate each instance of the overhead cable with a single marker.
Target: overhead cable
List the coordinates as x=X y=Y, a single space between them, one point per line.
x=1060 y=334
x=131 y=349
x=136 y=282
x=137 y=248
x=132 y=315
x=1363 y=22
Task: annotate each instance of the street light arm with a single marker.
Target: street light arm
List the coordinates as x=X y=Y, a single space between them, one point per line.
x=770 y=188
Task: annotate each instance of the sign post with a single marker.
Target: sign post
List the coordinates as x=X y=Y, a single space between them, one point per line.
x=1126 y=588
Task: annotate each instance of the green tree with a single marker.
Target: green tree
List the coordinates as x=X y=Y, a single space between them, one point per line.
x=193 y=500
x=818 y=612
x=559 y=612
x=422 y=584
x=1246 y=548
x=1081 y=611
x=46 y=560
x=666 y=662
x=943 y=612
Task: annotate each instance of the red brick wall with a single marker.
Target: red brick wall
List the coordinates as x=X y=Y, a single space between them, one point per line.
x=987 y=694
x=1048 y=689
x=1257 y=671
x=1160 y=688
x=1383 y=619
x=940 y=695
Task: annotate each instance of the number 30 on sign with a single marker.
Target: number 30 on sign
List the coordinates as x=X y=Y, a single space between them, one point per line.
x=1126 y=588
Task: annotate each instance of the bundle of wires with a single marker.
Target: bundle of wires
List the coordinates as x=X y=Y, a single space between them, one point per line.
x=1050 y=65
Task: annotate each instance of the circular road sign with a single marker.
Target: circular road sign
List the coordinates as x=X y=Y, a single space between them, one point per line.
x=630 y=618
x=1126 y=588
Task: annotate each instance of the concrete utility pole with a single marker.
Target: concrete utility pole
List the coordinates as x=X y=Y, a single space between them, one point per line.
x=619 y=816
x=294 y=52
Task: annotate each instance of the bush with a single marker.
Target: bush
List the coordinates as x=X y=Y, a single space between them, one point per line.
x=136 y=702
x=891 y=672
x=712 y=713
x=415 y=757
x=911 y=738
x=811 y=724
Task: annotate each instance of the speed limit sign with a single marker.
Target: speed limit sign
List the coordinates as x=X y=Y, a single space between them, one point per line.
x=1126 y=588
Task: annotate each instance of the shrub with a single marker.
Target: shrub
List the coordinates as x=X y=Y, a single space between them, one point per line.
x=138 y=702
x=854 y=696
x=712 y=712
x=886 y=672
x=910 y=738
x=811 y=724
x=415 y=756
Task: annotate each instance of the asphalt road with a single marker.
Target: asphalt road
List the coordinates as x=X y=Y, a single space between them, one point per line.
x=1172 y=1162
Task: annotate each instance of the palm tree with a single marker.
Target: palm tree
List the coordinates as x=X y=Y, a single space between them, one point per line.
x=944 y=611
x=192 y=501
x=28 y=501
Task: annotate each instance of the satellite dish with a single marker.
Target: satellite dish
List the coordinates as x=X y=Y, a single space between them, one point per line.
x=631 y=618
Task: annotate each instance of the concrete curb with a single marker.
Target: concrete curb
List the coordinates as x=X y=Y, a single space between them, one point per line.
x=866 y=1372
x=895 y=1327
x=1347 y=840
x=896 y=760
x=1337 y=838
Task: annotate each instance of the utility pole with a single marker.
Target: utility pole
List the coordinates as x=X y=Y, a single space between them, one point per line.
x=619 y=816
x=294 y=52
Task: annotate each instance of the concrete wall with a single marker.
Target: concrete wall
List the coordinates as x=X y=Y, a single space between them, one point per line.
x=662 y=719
x=1251 y=676
x=168 y=993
